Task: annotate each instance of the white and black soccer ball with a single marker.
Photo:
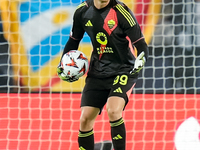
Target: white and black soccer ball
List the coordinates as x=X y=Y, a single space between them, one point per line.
x=74 y=63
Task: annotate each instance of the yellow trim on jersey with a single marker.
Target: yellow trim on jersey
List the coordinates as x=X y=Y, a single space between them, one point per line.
x=126 y=14
x=81 y=5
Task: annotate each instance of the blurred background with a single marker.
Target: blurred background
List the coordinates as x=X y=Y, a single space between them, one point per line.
x=175 y=50
x=164 y=117
x=33 y=34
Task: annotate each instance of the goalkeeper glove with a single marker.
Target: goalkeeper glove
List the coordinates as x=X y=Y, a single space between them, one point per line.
x=139 y=63
x=64 y=77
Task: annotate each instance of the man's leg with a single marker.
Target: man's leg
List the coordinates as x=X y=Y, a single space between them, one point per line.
x=115 y=106
x=86 y=135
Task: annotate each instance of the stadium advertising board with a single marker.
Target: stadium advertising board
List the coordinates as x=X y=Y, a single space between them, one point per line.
x=51 y=121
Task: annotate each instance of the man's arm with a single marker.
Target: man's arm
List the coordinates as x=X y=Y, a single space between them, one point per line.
x=141 y=46
x=72 y=44
x=76 y=33
x=131 y=28
x=142 y=56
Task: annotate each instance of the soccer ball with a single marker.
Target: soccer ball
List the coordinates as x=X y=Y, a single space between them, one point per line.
x=74 y=63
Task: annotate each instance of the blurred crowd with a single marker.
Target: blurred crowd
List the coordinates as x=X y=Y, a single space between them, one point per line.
x=174 y=61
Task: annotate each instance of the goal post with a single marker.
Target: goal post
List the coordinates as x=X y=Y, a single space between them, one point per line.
x=39 y=111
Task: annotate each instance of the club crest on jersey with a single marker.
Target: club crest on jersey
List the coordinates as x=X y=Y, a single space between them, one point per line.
x=111 y=23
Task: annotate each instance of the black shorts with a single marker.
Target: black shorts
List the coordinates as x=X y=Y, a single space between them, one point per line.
x=98 y=90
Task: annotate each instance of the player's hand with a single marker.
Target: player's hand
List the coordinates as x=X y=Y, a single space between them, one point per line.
x=63 y=76
x=139 y=64
x=60 y=72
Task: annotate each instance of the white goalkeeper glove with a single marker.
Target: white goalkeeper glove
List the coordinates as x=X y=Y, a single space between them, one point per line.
x=139 y=64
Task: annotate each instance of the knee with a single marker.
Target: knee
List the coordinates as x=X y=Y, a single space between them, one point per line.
x=115 y=107
x=86 y=123
x=84 y=120
x=87 y=118
x=113 y=114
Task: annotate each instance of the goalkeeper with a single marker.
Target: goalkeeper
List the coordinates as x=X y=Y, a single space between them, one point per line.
x=114 y=67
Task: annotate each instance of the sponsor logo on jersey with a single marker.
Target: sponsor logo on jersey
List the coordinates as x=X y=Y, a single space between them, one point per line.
x=101 y=38
x=111 y=23
x=88 y=24
x=102 y=50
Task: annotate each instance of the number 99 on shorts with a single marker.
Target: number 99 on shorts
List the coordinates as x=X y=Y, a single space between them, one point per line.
x=121 y=79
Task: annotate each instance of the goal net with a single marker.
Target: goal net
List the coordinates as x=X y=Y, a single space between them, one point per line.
x=39 y=111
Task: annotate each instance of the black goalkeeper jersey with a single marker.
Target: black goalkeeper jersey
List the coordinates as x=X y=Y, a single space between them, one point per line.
x=110 y=30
